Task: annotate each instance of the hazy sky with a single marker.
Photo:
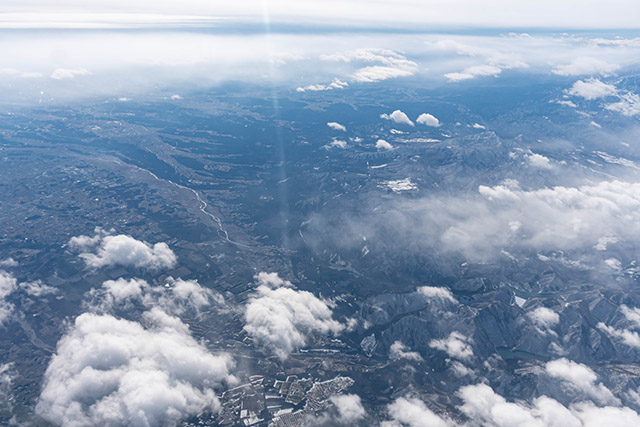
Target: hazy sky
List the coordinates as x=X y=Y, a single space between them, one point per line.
x=488 y=13
x=51 y=65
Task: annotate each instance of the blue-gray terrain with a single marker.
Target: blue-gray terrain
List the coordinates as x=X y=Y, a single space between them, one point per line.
x=411 y=230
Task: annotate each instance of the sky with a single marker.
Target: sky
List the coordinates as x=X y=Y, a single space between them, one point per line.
x=568 y=14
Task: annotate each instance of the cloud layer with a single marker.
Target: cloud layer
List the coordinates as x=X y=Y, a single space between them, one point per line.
x=585 y=65
x=388 y=64
x=506 y=217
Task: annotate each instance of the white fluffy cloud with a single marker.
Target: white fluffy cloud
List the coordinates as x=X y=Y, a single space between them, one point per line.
x=564 y=217
x=628 y=105
x=567 y=103
x=398 y=117
x=337 y=126
x=428 y=120
x=495 y=60
x=594 y=416
x=632 y=315
x=433 y=292
x=506 y=217
x=283 y=318
x=8 y=285
x=335 y=84
x=538 y=161
x=399 y=351
x=272 y=280
x=544 y=318
x=109 y=371
x=9 y=262
x=455 y=345
x=388 y=64
x=349 y=408
x=592 y=89
x=175 y=297
x=376 y=73
x=626 y=335
x=339 y=143
x=510 y=218
x=191 y=293
x=484 y=407
x=37 y=288
x=412 y=412
x=381 y=144
x=585 y=65
x=68 y=73
x=123 y=289
x=460 y=370
x=108 y=250
x=618 y=41
x=473 y=72
x=581 y=378
x=7 y=376
x=399 y=185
